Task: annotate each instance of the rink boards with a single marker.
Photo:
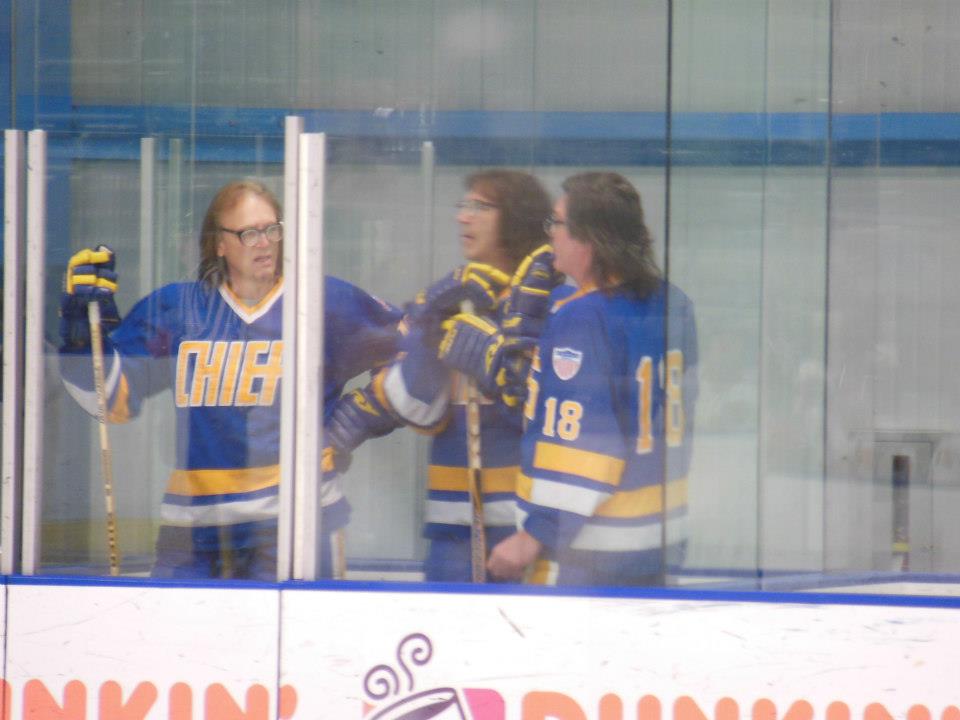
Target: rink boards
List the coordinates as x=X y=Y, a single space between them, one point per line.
x=128 y=650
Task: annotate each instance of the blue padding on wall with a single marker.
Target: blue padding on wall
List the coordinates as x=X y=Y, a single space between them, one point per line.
x=394 y=136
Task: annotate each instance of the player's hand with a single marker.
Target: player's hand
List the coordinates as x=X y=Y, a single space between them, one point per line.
x=511 y=557
x=90 y=276
x=478 y=283
x=474 y=346
x=356 y=417
x=529 y=301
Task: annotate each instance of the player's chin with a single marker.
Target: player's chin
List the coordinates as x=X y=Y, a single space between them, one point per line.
x=265 y=271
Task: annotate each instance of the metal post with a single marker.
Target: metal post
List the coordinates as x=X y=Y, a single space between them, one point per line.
x=293 y=128
x=309 y=355
x=427 y=165
x=13 y=313
x=36 y=273
x=179 y=262
x=148 y=163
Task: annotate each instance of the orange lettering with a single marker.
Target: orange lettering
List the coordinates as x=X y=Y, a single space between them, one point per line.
x=111 y=701
x=950 y=713
x=727 y=709
x=764 y=709
x=611 y=707
x=181 y=702
x=39 y=703
x=686 y=708
x=800 y=710
x=648 y=708
x=219 y=705
x=876 y=711
x=838 y=711
x=6 y=699
x=918 y=712
x=550 y=706
x=288 y=701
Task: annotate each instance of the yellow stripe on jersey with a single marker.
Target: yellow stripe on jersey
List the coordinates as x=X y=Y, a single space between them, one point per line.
x=644 y=501
x=120 y=412
x=492 y=480
x=677 y=493
x=524 y=486
x=542 y=572
x=594 y=466
x=258 y=306
x=222 y=482
x=580 y=292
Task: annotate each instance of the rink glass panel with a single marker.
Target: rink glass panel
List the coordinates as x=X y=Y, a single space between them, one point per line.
x=782 y=209
x=747 y=240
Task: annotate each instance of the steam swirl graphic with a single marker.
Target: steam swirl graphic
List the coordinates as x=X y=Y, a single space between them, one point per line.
x=380 y=681
x=419 y=649
x=415 y=650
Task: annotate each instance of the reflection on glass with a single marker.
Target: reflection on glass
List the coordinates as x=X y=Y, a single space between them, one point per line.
x=825 y=419
x=215 y=345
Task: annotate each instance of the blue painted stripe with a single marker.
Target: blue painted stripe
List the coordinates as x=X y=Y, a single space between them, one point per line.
x=250 y=122
x=701 y=595
x=225 y=134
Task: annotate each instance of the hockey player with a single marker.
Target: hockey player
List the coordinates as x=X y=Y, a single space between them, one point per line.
x=216 y=344
x=610 y=405
x=501 y=220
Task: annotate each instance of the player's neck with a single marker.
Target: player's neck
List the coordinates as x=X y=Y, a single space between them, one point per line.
x=251 y=291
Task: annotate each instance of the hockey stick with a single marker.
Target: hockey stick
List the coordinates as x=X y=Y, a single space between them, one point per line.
x=478 y=538
x=106 y=458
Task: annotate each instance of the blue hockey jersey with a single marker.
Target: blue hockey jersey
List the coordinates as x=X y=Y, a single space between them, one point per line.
x=222 y=361
x=448 y=510
x=610 y=425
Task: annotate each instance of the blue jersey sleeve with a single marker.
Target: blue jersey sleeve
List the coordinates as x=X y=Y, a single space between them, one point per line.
x=682 y=335
x=360 y=334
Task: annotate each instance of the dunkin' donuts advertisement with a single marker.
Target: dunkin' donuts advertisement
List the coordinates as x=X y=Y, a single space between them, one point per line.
x=75 y=652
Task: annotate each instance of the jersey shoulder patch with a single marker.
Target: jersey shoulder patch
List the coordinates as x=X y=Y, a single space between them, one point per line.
x=566 y=362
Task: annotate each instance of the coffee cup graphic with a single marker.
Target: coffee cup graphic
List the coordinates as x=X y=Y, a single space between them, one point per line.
x=436 y=704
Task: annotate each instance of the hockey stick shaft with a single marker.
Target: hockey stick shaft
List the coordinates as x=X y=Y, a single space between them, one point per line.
x=478 y=537
x=106 y=457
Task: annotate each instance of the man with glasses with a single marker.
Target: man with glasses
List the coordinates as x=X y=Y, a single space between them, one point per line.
x=216 y=343
x=609 y=411
x=501 y=219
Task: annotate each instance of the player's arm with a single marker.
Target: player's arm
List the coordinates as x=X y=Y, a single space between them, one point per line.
x=412 y=390
x=413 y=387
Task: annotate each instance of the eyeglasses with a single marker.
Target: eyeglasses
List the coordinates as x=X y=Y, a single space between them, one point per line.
x=474 y=206
x=251 y=236
x=551 y=222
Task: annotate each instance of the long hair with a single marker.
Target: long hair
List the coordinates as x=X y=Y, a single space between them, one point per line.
x=213 y=269
x=604 y=210
x=523 y=204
